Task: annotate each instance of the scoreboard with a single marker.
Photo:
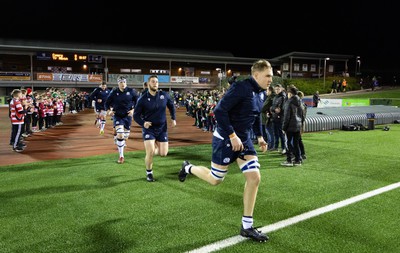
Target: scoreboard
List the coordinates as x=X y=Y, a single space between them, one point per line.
x=55 y=56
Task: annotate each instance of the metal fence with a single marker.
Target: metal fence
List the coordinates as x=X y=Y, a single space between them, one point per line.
x=321 y=119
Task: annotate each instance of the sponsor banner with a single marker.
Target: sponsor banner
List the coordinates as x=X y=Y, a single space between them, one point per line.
x=204 y=80
x=330 y=103
x=129 y=78
x=44 y=76
x=70 y=77
x=96 y=78
x=15 y=76
x=161 y=78
x=43 y=56
x=355 y=102
x=184 y=79
x=95 y=58
x=159 y=71
x=381 y=101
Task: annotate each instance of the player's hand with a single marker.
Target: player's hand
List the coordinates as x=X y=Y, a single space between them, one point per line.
x=147 y=124
x=263 y=145
x=237 y=144
x=173 y=123
x=130 y=113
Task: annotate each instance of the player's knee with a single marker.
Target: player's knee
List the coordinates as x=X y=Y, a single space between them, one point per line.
x=126 y=134
x=250 y=166
x=253 y=178
x=214 y=181
x=120 y=142
x=120 y=132
x=161 y=152
x=252 y=170
x=217 y=175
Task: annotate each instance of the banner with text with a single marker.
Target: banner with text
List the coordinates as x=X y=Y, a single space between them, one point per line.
x=184 y=79
x=69 y=77
x=330 y=103
x=15 y=76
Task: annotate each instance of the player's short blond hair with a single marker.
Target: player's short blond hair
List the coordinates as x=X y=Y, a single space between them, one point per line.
x=260 y=65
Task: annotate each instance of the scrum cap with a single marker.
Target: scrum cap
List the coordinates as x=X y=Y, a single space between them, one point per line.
x=121 y=79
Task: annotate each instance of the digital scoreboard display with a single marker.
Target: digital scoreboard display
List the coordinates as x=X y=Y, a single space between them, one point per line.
x=68 y=57
x=55 y=56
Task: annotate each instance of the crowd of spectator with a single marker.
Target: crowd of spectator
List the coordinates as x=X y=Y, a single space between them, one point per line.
x=44 y=109
x=41 y=110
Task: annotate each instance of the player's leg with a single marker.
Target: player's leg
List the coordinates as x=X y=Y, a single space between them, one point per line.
x=120 y=141
x=162 y=145
x=149 y=145
x=222 y=156
x=102 y=116
x=251 y=171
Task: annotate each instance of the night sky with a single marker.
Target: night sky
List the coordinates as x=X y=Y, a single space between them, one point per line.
x=257 y=31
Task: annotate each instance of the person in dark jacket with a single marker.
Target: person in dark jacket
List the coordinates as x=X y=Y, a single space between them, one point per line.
x=277 y=111
x=316 y=98
x=150 y=114
x=303 y=125
x=261 y=98
x=266 y=110
x=120 y=105
x=99 y=95
x=292 y=123
x=236 y=113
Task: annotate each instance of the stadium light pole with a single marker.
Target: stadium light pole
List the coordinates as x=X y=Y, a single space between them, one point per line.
x=326 y=59
x=358 y=63
x=219 y=77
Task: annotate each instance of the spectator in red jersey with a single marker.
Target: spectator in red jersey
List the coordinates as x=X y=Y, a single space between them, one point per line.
x=35 y=114
x=41 y=112
x=29 y=108
x=17 y=116
x=60 y=110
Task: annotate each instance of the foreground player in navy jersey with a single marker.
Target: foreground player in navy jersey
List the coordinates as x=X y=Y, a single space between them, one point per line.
x=150 y=113
x=236 y=113
x=99 y=95
x=120 y=104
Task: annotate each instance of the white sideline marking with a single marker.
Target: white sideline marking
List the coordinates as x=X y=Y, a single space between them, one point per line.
x=281 y=224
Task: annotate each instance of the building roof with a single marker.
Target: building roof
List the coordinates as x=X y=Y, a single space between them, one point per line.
x=313 y=56
x=123 y=52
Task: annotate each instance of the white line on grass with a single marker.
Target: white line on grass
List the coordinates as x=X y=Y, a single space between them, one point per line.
x=301 y=217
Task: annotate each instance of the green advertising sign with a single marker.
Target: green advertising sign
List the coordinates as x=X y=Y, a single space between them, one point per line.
x=355 y=102
x=381 y=101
